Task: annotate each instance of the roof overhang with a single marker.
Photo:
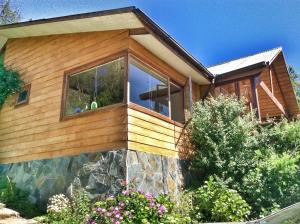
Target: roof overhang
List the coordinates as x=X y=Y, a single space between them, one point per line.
x=240 y=74
x=155 y=39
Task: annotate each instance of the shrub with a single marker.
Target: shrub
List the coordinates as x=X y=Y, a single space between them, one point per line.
x=274 y=184
x=260 y=162
x=284 y=136
x=136 y=207
x=17 y=199
x=10 y=82
x=226 y=142
x=62 y=210
x=215 y=202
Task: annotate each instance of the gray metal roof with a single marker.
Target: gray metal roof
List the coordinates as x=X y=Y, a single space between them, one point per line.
x=266 y=56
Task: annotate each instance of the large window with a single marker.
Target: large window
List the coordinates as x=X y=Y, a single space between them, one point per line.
x=148 y=89
x=103 y=85
x=152 y=91
x=94 y=88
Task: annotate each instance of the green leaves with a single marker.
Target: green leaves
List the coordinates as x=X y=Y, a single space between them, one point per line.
x=223 y=138
x=260 y=162
x=10 y=82
x=215 y=202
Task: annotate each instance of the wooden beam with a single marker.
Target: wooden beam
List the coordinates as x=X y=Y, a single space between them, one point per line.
x=271 y=95
x=239 y=77
x=138 y=31
x=254 y=94
x=237 y=90
x=271 y=79
x=191 y=94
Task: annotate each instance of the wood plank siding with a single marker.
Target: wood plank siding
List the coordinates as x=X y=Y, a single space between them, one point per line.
x=35 y=131
x=274 y=91
x=150 y=133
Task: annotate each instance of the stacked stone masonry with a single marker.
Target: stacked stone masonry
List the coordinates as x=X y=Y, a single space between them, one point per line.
x=99 y=174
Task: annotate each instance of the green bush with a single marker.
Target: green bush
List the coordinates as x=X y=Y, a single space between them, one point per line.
x=260 y=162
x=283 y=136
x=273 y=184
x=215 y=202
x=10 y=82
x=17 y=199
x=226 y=142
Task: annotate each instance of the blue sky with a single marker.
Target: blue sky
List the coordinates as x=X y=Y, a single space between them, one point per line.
x=211 y=30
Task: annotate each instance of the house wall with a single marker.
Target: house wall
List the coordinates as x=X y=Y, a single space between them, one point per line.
x=35 y=131
x=280 y=69
x=45 y=155
x=149 y=133
x=267 y=107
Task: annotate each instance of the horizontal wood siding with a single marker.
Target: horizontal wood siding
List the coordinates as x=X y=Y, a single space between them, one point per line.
x=150 y=134
x=34 y=131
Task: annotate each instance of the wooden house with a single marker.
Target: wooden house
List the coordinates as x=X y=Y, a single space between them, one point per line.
x=106 y=97
x=262 y=80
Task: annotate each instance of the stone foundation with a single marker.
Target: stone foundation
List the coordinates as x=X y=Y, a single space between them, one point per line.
x=99 y=173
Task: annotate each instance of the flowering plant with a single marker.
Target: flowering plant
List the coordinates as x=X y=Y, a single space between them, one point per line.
x=58 y=206
x=131 y=207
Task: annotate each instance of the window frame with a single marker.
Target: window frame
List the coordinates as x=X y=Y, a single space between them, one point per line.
x=26 y=87
x=126 y=54
x=86 y=67
x=158 y=72
x=183 y=99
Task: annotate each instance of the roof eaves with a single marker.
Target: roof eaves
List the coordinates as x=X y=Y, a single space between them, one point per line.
x=166 y=38
x=244 y=57
x=241 y=70
x=154 y=28
x=69 y=17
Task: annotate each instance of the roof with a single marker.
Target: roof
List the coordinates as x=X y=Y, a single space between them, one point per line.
x=155 y=39
x=262 y=58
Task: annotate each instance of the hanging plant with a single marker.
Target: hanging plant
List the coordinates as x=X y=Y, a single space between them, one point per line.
x=10 y=82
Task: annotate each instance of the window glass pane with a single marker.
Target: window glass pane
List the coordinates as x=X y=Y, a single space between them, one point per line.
x=97 y=87
x=148 y=89
x=22 y=97
x=80 y=92
x=110 y=83
x=176 y=98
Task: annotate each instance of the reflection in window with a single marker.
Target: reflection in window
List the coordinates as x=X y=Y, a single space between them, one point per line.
x=176 y=98
x=97 y=87
x=23 y=95
x=148 y=89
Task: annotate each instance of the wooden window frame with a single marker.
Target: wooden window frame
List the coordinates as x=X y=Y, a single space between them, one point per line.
x=158 y=72
x=127 y=54
x=183 y=98
x=24 y=102
x=91 y=65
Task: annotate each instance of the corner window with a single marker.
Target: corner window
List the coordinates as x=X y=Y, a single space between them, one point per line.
x=148 y=89
x=95 y=88
x=23 y=96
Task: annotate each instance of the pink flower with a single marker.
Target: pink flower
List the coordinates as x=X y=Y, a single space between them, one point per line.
x=122 y=204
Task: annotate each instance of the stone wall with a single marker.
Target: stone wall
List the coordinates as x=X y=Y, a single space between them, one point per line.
x=99 y=173
x=154 y=173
